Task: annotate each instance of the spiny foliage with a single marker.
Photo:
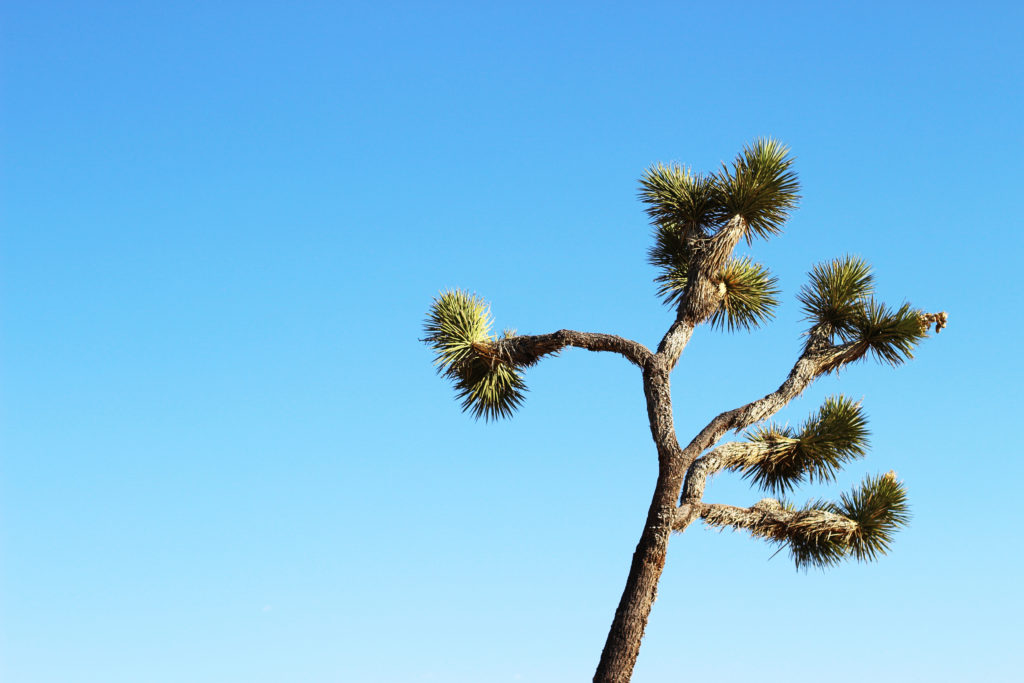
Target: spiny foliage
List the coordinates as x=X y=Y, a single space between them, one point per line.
x=685 y=207
x=838 y=301
x=878 y=507
x=679 y=199
x=458 y=330
x=837 y=434
x=670 y=254
x=836 y=293
x=889 y=335
x=761 y=187
x=749 y=296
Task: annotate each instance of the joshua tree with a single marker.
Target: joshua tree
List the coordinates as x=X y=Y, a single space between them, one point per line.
x=698 y=220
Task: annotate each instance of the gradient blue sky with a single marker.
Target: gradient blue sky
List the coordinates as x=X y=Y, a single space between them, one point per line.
x=225 y=457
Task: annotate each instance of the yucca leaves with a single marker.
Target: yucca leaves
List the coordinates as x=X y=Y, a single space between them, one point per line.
x=458 y=330
x=761 y=187
x=686 y=207
x=822 y=533
x=815 y=452
x=680 y=199
x=889 y=335
x=749 y=296
x=839 y=303
x=670 y=254
x=682 y=207
x=878 y=509
x=817 y=544
x=836 y=292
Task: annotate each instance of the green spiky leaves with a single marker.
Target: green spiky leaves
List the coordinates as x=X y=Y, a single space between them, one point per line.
x=876 y=510
x=836 y=292
x=785 y=458
x=679 y=199
x=879 y=507
x=889 y=335
x=458 y=330
x=838 y=301
x=822 y=533
x=761 y=187
x=671 y=255
x=682 y=206
x=686 y=208
x=749 y=296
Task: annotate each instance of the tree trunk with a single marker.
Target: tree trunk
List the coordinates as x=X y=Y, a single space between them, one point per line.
x=627 y=630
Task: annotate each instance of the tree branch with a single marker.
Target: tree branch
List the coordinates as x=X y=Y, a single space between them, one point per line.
x=704 y=289
x=768 y=519
x=816 y=360
x=725 y=456
x=526 y=350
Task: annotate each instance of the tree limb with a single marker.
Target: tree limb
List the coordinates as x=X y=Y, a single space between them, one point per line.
x=725 y=456
x=816 y=360
x=527 y=350
x=768 y=519
x=704 y=291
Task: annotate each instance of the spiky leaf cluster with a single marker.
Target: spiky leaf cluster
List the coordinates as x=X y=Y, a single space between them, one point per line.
x=686 y=207
x=680 y=199
x=761 y=187
x=670 y=254
x=835 y=293
x=816 y=543
x=877 y=507
x=749 y=296
x=889 y=335
x=815 y=452
x=838 y=301
x=682 y=206
x=458 y=330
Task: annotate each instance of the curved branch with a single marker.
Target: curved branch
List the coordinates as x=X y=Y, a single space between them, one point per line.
x=818 y=358
x=526 y=350
x=727 y=455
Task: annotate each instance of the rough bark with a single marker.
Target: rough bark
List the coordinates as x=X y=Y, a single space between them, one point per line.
x=722 y=457
x=627 y=630
x=702 y=298
x=768 y=519
x=526 y=350
x=706 y=290
x=682 y=473
x=626 y=633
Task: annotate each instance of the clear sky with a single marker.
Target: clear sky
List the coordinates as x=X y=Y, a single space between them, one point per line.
x=225 y=457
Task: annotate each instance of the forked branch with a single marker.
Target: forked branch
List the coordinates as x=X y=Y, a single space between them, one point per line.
x=818 y=358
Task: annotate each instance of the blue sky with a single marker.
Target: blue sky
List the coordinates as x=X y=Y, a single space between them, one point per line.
x=225 y=456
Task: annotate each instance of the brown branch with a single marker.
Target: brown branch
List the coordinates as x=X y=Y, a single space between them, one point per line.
x=704 y=290
x=818 y=358
x=526 y=350
x=768 y=519
x=814 y=362
x=731 y=455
